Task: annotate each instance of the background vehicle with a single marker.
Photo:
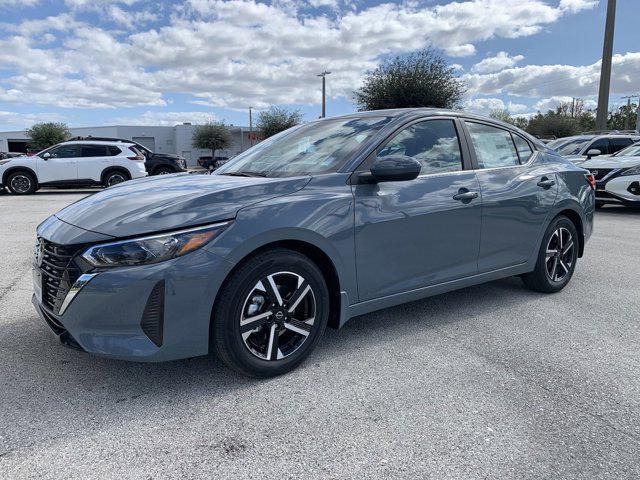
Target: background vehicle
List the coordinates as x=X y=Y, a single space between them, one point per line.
x=155 y=163
x=583 y=147
x=210 y=162
x=617 y=176
x=4 y=155
x=73 y=164
x=315 y=225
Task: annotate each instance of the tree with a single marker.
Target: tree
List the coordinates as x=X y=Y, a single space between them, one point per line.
x=275 y=120
x=505 y=116
x=552 y=124
x=45 y=134
x=421 y=79
x=211 y=136
x=624 y=118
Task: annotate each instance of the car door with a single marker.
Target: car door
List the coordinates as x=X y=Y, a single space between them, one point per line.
x=412 y=234
x=94 y=158
x=58 y=164
x=601 y=144
x=518 y=193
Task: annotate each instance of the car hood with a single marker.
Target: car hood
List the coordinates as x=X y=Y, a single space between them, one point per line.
x=169 y=202
x=611 y=162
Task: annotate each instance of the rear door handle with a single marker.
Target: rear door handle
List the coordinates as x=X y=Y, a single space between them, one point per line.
x=546 y=183
x=464 y=194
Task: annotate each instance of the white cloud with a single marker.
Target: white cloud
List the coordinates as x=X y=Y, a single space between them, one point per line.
x=15 y=120
x=238 y=53
x=558 y=80
x=485 y=105
x=164 y=118
x=15 y=3
x=574 y=6
x=499 y=62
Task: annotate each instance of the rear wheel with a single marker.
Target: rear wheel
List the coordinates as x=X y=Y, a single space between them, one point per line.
x=270 y=314
x=21 y=183
x=556 y=259
x=163 y=171
x=114 y=178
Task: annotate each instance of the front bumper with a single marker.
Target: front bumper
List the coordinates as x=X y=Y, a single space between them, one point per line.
x=617 y=189
x=109 y=316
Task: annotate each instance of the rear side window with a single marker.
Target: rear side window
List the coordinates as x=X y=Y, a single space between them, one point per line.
x=493 y=146
x=618 y=144
x=113 y=151
x=93 y=151
x=523 y=148
x=434 y=143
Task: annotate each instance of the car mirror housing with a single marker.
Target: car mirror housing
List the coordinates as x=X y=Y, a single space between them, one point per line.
x=46 y=156
x=593 y=152
x=393 y=168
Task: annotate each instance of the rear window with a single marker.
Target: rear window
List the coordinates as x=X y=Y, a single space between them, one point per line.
x=113 y=151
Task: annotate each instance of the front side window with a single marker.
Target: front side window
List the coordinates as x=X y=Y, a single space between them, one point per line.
x=493 y=146
x=318 y=147
x=631 y=151
x=65 y=151
x=569 y=147
x=93 y=151
x=601 y=144
x=434 y=143
x=618 y=144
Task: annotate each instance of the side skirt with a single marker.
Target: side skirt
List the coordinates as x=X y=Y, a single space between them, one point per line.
x=424 y=292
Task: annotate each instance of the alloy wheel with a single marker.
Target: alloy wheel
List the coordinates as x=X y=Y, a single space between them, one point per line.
x=278 y=315
x=560 y=254
x=21 y=183
x=115 y=179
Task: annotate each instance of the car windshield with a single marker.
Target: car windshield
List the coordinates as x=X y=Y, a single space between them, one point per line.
x=630 y=151
x=314 y=148
x=569 y=147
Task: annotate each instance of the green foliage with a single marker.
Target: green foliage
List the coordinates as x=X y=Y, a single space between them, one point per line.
x=211 y=136
x=505 y=116
x=275 y=120
x=624 y=118
x=553 y=124
x=44 y=135
x=421 y=79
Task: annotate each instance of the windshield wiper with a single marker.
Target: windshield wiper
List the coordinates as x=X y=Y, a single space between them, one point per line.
x=245 y=174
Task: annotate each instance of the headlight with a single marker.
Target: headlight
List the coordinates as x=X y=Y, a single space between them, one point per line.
x=631 y=171
x=152 y=249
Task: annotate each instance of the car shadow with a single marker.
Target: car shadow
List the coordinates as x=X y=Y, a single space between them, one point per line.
x=618 y=210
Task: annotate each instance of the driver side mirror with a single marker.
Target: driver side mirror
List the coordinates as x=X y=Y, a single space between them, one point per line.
x=392 y=168
x=593 y=152
x=46 y=156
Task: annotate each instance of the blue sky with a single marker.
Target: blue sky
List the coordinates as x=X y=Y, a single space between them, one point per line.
x=100 y=62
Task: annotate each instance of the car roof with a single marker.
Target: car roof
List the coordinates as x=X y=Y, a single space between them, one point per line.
x=95 y=142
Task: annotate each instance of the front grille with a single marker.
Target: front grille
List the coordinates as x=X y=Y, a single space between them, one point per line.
x=59 y=272
x=600 y=173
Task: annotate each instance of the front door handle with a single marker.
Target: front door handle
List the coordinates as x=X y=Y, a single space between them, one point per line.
x=546 y=183
x=464 y=195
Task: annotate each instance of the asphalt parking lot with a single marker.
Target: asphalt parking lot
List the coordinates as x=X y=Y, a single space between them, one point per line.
x=492 y=381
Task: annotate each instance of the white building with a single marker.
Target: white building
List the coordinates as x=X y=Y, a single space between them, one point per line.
x=175 y=139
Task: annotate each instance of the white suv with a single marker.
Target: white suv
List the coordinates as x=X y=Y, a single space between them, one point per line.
x=73 y=164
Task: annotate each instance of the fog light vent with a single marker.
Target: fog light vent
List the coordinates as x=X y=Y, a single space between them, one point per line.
x=634 y=188
x=152 y=322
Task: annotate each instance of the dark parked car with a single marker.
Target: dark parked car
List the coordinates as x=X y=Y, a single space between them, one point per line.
x=155 y=163
x=210 y=162
x=325 y=221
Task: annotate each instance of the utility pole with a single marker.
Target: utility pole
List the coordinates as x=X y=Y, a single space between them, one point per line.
x=250 y=129
x=324 y=94
x=605 y=70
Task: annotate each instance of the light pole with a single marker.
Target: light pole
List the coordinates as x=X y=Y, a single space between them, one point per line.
x=324 y=93
x=605 y=70
x=250 y=128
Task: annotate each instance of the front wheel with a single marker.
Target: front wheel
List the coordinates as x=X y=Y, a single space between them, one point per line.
x=556 y=259
x=22 y=183
x=270 y=314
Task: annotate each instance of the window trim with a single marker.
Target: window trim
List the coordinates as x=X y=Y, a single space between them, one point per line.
x=472 y=152
x=105 y=148
x=513 y=139
x=462 y=145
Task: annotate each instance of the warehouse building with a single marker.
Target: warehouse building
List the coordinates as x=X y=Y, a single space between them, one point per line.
x=159 y=139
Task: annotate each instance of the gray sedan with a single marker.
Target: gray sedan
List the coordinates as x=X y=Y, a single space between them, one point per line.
x=325 y=221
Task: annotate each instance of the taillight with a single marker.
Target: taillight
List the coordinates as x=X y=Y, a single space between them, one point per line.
x=137 y=158
x=591 y=179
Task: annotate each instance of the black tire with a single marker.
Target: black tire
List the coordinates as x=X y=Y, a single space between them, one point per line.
x=22 y=183
x=599 y=204
x=244 y=354
x=561 y=236
x=163 y=171
x=114 y=177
